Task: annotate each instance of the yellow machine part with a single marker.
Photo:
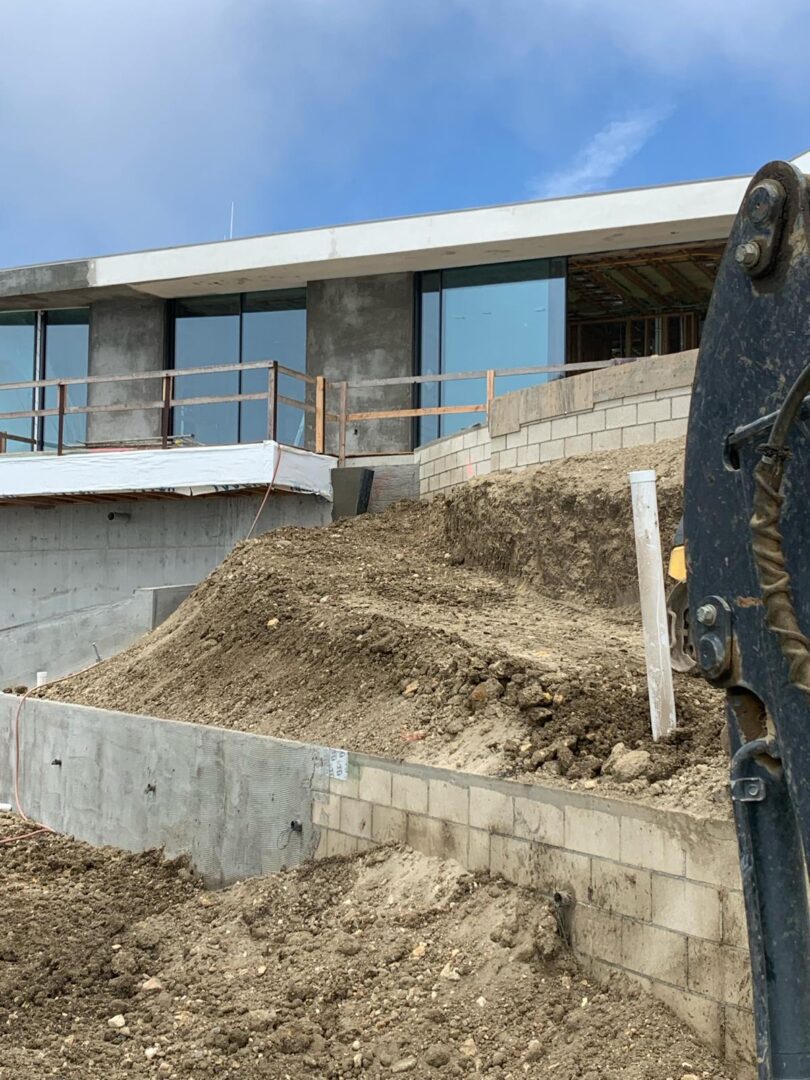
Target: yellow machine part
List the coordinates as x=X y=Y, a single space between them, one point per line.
x=677 y=563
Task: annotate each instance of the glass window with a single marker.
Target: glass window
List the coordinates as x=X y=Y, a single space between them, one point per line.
x=207 y=333
x=17 y=336
x=274 y=327
x=476 y=318
x=67 y=339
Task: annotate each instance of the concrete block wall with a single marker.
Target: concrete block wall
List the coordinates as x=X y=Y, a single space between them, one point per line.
x=655 y=894
x=607 y=425
x=628 y=405
x=447 y=462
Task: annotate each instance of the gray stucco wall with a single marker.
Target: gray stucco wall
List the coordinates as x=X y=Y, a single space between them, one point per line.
x=72 y=556
x=126 y=337
x=362 y=328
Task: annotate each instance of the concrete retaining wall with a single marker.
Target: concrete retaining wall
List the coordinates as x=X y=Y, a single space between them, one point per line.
x=71 y=556
x=446 y=462
x=227 y=799
x=629 y=405
x=65 y=643
x=655 y=894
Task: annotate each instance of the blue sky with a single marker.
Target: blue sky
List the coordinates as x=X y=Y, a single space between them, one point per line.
x=130 y=125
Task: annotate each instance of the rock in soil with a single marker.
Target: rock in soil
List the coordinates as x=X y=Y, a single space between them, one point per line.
x=82 y=927
x=494 y=630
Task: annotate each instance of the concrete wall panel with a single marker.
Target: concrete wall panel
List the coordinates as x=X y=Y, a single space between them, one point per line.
x=126 y=337
x=72 y=556
x=362 y=328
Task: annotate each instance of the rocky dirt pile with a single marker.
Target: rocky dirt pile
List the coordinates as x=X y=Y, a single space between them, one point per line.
x=389 y=964
x=479 y=631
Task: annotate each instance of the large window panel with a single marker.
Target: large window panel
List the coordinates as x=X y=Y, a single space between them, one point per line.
x=17 y=341
x=502 y=316
x=207 y=334
x=274 y=327
x=67 y=341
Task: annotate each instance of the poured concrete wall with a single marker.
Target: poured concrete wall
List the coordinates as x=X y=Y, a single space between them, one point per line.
x=69 y=642
x=72 y=556
x=226 y=799
x=362 y=328
x=126 y=337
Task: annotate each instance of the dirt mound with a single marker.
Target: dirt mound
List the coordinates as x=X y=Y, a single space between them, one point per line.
x=382 y=634
x=565 y=526
x=114 y=966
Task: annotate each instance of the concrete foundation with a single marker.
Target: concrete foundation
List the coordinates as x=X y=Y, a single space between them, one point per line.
x=127 y=337
x=362 y=328
x=73 y=556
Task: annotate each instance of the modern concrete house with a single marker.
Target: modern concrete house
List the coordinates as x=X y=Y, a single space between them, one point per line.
x=143 y=395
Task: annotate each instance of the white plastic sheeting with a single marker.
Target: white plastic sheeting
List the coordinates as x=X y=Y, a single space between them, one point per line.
x=190 y=470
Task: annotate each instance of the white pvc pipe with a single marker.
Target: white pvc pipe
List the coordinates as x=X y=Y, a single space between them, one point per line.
x=653 y=602
x=42 y=678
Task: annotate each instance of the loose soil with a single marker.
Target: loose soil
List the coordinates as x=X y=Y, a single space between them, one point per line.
x=115 y=965
x=494 y=630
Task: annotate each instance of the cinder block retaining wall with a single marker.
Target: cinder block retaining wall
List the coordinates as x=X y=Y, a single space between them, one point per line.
x=654 y=893
x=645 y=401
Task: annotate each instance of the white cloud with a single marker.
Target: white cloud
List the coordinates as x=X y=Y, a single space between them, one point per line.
x=602 y=156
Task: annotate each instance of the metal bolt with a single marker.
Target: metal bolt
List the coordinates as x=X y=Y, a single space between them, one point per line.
x=748 y=254
x=765 y=201
x=707 y=614
x=712 y=655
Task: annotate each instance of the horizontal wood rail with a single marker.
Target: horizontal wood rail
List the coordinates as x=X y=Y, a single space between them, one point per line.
x=314 y=402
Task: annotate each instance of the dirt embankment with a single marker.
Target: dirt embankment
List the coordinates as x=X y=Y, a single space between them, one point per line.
x=480 y=631
x=116 y=966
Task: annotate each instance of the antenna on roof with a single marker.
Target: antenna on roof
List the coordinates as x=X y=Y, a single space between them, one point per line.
x=230 y=229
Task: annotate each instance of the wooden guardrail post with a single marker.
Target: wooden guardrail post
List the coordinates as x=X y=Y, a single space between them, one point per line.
x=60 y=425
x=320 y=414
x=344 y=408
x=490 y=389
x=272 y=400
x=166 y=415
x=2 y=442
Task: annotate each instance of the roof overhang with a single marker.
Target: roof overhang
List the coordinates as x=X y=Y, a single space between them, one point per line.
x=642 y=217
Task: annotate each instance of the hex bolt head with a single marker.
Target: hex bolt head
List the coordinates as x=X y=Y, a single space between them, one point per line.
x=707 y=614
x=765 y=201
x=748 y=254
x=712 y=655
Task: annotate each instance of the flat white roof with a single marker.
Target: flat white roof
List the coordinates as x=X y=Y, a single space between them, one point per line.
x=640 y=217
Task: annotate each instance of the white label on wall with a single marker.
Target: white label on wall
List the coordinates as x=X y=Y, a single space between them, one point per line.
x=339 y=764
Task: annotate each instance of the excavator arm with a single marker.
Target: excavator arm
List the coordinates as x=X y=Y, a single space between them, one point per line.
x=747 y=532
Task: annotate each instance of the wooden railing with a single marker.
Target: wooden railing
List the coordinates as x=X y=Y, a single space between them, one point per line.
x=346 y=415
x=314 y=405
x=168 y=399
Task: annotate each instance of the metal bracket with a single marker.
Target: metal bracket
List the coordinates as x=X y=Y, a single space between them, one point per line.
x=762 y=228
x=712 y=636
x=748 y=789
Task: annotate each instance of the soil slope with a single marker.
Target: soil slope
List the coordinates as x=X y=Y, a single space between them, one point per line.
x=116 y=966
x=481 y=631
